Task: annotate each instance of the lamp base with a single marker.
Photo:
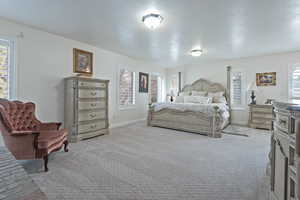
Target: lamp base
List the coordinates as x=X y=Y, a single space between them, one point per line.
x=171 y=99
x=253 y=101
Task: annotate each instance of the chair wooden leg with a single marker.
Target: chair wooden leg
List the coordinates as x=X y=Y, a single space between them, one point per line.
x=46 y=163
x=66 y=143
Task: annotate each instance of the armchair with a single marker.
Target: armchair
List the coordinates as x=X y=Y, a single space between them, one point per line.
x=27 y=137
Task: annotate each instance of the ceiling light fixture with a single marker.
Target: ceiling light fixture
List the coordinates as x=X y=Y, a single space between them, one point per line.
x=196 y=52
x=152 y=20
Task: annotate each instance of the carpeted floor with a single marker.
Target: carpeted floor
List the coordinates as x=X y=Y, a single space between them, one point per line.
x=146 y=163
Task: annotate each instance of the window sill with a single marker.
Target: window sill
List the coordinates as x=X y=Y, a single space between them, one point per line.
x=121 y=108
x=238 y=109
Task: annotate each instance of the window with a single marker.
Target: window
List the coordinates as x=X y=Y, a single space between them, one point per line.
x=6 y=69
x=174 y=84
x=126 y=88
x=237 y=90
x=294 y=82
x=155 y=88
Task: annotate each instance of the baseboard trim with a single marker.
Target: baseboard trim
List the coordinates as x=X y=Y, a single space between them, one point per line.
x=116 y=125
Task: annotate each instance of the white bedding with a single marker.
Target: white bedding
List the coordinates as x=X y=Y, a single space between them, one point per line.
x=204 y=108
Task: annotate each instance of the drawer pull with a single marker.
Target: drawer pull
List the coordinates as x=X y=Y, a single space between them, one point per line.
x=82 y=84
x=93 y=126
x=93 y=93
x=281 y=121
x=93 y=115
x=93 y=104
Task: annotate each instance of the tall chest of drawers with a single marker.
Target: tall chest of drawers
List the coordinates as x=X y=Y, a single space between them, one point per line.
x=285 y=152
x=86 y=107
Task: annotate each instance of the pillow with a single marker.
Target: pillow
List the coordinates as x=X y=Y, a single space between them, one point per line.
x=179 y=99
x=184 y=94
x=197 y=99
x=199 y=93
x=215 y=96
x=221 y=99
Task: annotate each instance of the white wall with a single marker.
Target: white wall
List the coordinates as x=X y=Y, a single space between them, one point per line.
x=44 y=59
x=216 y=71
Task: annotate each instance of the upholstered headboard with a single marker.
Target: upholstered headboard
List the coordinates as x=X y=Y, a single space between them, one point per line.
x=205 y=85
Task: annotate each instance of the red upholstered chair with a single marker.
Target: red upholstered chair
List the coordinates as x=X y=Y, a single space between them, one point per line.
x=25 y=136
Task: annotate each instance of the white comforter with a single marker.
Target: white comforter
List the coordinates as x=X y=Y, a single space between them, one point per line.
x=204 y=108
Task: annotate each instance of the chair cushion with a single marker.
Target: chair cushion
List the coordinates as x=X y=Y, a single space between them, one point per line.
x=52 y=139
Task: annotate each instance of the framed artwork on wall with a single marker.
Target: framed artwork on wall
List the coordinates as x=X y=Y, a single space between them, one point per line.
x=82 y=62
x=266 y=79
x=143 y=82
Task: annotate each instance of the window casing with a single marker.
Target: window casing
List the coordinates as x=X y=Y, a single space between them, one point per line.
x=237 y=90
x=126 y=95
x=294 y=82
x=7 y=69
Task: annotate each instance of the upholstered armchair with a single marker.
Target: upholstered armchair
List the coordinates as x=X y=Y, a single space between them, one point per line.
x=25 y=136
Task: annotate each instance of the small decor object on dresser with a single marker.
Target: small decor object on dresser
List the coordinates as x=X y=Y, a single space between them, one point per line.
x=266 y=79
x=260 y=116
x=143 y=82
x=86 y=107
x=83 y=62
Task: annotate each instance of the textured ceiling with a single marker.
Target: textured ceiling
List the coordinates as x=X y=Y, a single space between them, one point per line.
x=223 y=28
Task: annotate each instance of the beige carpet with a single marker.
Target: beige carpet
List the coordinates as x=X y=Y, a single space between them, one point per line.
x=146 y=163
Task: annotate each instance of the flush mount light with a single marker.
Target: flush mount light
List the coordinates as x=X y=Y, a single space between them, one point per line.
x=196 y=52
x=152 y=20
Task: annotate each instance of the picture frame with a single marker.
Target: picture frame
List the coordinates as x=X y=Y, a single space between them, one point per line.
x=266 y=79
x=143 y=82
x=82 y=62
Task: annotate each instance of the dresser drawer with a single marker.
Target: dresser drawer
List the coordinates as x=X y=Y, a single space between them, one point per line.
x=262 y=115
x=91 y=93
x=91 y=105
x=86 y=116
x=91 y=84
x=282 y=121
x=98 y=125
x=262 y=109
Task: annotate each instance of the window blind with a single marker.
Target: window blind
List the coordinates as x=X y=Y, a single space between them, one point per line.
x=236 y=88
x=126 y=88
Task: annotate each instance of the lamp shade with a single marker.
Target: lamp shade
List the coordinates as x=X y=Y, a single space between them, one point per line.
x=252 y=86
x=172 y=93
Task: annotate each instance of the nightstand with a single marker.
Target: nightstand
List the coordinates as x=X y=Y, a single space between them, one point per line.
x=260 y=116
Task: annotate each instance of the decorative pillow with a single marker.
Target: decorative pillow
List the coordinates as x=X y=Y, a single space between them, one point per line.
x=199 y=93
x=197 y=99
x=221 y=99
x=184 y=94
x=215 y=96
x=179 y=99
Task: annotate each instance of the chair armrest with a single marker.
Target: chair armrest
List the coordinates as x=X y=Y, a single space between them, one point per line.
x=49 y=126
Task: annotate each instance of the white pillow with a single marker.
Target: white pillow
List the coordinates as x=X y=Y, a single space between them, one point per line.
x=197 y=99
x=215 y=96
x=179 y=99
x=221 y=99
x=199 y=93
x=184 y=94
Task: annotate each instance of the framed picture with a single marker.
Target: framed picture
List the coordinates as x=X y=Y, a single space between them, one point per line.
x=266 y=79
x=143 y=82
x=82 y=62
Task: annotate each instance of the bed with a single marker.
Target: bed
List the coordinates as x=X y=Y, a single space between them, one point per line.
x=208 y=119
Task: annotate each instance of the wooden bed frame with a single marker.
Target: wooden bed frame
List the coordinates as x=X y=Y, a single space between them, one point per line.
x=190 y=121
